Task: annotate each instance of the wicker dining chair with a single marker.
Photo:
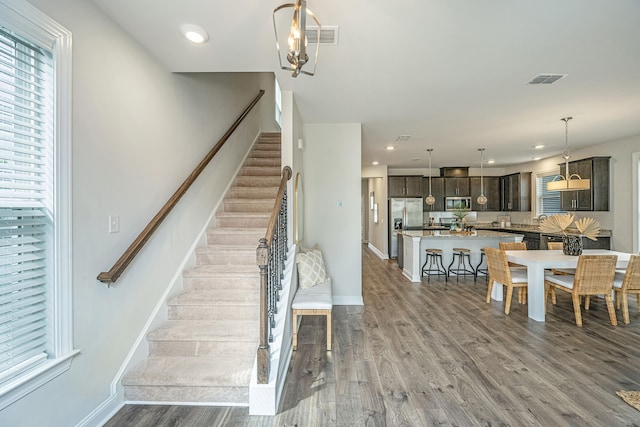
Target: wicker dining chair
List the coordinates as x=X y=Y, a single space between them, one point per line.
x=627 y=283
x=555 y=246
x=500 y=273
x=594 y=276
x=516 y=246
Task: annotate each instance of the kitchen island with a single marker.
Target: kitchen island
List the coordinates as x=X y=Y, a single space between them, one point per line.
x=415 y=243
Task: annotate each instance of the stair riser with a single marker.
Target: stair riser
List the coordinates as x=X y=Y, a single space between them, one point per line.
x=258 y=181
x=260 y=171
x=227 y=312
x=264 y=154
x=263 y=161
x=199 y=349
x=241 y=222
x=267 y=193
x=222 y=258
x=235 y=395
x=234 y=239
x=249 y=284
x=248 y=206
x=266 y=144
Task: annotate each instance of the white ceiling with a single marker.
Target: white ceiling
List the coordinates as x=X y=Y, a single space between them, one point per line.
x=452 y=74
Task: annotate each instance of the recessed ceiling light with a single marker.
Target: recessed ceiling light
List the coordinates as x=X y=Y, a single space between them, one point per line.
x=194 y=34
x=539 y=146
x=491 y=161
x=390 y=147
x=375 y=163
x=536 y=158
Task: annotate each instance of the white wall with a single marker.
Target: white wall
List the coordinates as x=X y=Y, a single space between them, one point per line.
x=138 y=131
x=292 y=155
x=332 y=154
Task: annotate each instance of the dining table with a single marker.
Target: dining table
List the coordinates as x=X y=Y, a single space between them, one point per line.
x=537 y=262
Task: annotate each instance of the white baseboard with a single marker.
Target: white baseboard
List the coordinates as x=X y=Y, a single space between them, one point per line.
x=377 y=252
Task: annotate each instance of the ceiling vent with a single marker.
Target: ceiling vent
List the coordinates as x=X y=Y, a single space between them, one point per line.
x=403 y=138
x=546 y=79
x=328 y=35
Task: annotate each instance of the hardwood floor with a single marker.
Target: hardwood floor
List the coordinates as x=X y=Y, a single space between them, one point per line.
x=437 y=354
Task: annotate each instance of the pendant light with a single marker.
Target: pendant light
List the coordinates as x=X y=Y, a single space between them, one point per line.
x=569 y=182
x=482 y=199
x=430 y=200
x=297 y=41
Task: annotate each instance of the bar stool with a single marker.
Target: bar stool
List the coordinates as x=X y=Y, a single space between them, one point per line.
x=479 y=270
x=434 y=258
x=463 y=268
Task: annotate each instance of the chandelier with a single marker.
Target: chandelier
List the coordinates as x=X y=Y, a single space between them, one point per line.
x=569 y=182
x=297 y=55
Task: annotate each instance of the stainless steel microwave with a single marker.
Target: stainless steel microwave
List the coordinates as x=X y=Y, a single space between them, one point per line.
x=455 y=203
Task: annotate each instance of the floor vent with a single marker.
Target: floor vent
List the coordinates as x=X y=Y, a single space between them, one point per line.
x=546 y=79
x=328 y=35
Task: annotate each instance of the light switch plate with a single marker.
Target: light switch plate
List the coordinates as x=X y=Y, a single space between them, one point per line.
x=114 y=224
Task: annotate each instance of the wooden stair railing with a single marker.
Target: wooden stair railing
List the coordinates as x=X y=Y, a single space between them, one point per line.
x=270 y=257
x=121 y=264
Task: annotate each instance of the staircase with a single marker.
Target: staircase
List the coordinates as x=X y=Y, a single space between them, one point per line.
x=206 y=350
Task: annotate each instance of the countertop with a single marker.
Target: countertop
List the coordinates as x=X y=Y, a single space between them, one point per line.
x=531 y=228
x=476 y=234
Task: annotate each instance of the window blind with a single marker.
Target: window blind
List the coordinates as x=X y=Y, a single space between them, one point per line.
x=26 y=123
x=548 y=201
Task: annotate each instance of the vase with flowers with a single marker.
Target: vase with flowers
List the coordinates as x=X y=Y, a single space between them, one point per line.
x=571 y=236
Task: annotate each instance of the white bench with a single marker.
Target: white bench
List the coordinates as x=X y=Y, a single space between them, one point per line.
x=312 y=301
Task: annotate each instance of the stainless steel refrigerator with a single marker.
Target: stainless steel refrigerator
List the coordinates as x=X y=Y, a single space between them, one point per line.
x=404 y=213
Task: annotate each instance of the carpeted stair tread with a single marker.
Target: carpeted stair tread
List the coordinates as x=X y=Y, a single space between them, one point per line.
x=260 y=171
x=192 y=371
x=222 y=271
x=229 y=248
x=257 y=181
x=204 y=297
x=206 y=330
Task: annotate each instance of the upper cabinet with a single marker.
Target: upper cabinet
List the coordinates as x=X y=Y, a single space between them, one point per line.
x=491 y=186
x=516 y=192
x=596 y=198
x=456 y=187
x=405 y=186
x=437 y=191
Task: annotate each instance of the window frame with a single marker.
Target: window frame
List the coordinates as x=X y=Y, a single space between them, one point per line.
x=539 y=205
x=278 y=102
x=26 y=20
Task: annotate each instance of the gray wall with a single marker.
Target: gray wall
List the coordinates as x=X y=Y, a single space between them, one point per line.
x=138 y=131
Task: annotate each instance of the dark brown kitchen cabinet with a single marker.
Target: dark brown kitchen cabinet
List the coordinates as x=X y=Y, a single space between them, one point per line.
x=516 y=192
x=491 y=191
x=405 y=186
x=596 y=198
x=437 y=191
x=456 y=187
